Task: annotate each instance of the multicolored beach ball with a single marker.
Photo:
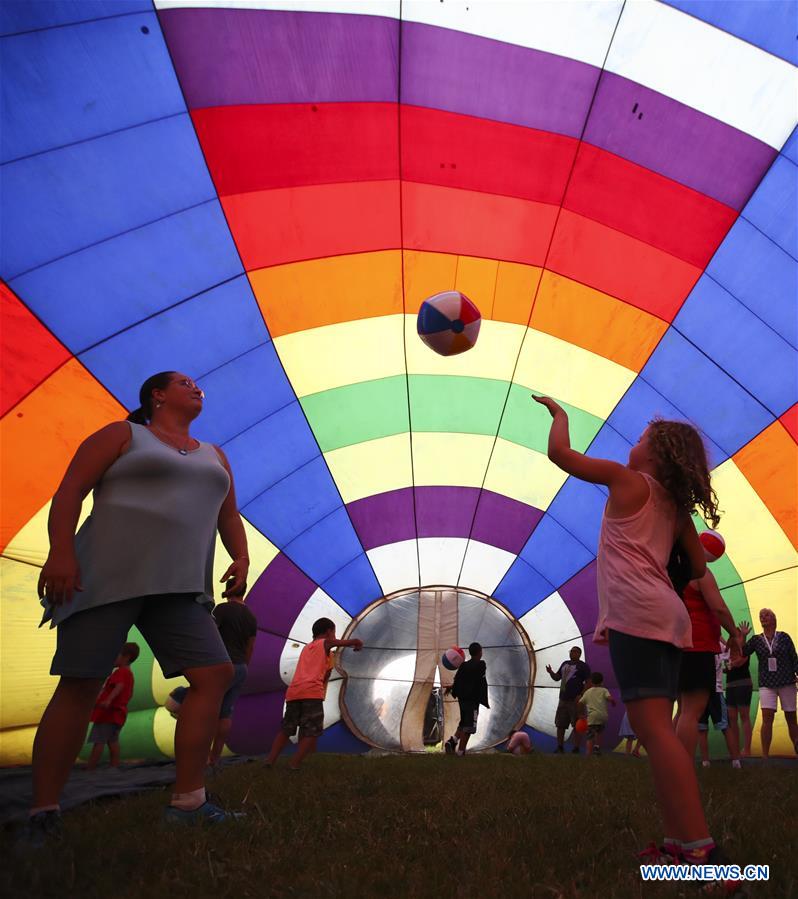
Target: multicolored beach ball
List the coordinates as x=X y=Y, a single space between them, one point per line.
x=449 y=323
x=713 y=543
x=453 y=658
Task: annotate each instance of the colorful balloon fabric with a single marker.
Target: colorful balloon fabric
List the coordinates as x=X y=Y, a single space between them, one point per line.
x=263 y=195
x=713 y=543
x=449 y=323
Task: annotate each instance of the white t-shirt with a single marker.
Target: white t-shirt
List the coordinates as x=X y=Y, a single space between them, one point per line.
x=721 y=659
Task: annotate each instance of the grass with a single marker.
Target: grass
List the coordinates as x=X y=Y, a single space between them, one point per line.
x=428 y=826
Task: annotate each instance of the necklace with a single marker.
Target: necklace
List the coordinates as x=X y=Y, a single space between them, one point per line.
x=183 y=450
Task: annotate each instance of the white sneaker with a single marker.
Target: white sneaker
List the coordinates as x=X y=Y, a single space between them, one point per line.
x=736 y=763
x=705 y=764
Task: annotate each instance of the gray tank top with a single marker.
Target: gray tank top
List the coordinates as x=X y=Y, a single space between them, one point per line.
x=153 y=526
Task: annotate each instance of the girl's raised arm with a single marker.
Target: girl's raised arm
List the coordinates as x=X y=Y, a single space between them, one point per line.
x=596 y=471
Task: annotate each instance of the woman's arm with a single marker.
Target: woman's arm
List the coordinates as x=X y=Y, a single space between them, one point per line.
x=60 y=575
x=234 y=538
x=711 y=594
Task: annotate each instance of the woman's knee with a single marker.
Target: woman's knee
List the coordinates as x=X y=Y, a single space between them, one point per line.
x=212 y=678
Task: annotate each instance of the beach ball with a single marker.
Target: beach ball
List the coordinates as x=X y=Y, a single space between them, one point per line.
x=581 y=725
x=453 y=658
x=449 y=323
x=714 y=545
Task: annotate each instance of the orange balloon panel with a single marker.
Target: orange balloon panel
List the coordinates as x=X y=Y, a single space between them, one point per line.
x=40 y=436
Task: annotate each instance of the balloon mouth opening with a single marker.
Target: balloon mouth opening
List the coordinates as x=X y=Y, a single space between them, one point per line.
x=457 y=326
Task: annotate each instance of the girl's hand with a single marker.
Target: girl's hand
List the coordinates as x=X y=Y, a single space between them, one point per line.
x=745 y=628
x=235 y=579
x=60 y=577
x=549 y=403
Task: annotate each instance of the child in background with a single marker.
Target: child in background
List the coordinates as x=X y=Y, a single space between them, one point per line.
x=110 y=710
x=626 y=732
x=238 y=627
x=739 y=690
x=716 y=710
x=649 y=508
x=595 y=699
x=518 y=743
x=470 y=689
x=304 y=699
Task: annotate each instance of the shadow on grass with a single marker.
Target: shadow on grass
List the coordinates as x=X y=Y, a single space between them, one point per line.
x=431 y=826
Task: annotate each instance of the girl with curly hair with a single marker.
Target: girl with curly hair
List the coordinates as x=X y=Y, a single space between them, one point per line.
x=641 y=616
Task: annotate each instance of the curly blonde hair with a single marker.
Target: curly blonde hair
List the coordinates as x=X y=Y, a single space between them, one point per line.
x=683 y=468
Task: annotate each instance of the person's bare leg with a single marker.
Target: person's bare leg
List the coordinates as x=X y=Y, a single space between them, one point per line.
x=703 y=742
x=733 y=731
x=692 y=705
x=745 y=715
x=113 y=751
x=792 y=729
x=732 y=745
x=278 y=745
x=629 y=742
x=560 y=736
x=766 y=733
x=196 y=724
x=60 y=735
x=589 y=746
x=636 y=750
x=222 y=732
x=306 y=745
x=95 y=755
x=672 y=768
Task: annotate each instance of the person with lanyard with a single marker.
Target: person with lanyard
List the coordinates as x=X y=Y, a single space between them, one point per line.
x=143 y=557
x=778 y=670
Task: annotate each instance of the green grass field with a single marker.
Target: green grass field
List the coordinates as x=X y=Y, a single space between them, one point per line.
x=431 y=826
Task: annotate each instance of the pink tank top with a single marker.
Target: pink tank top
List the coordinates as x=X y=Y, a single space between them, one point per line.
x=310 y=678
x=635 y=594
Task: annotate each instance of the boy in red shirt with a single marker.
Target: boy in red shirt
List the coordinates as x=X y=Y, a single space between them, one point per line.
x=110 y=710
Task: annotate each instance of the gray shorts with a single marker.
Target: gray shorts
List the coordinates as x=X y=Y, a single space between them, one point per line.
x=566 y=714
x=180 y=632
x=104 y=733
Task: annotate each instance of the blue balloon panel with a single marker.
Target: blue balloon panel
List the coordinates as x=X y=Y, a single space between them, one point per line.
x=101 y=77
x=63 y=201
x=121 y=281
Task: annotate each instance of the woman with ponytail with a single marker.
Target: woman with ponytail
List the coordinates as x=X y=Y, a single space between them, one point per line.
x=144 y=557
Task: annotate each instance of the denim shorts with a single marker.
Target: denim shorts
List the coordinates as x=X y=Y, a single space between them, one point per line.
x=716 y=710
x=229 y=701
x=102 y=732
x=180 y=632
x=644 y=669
